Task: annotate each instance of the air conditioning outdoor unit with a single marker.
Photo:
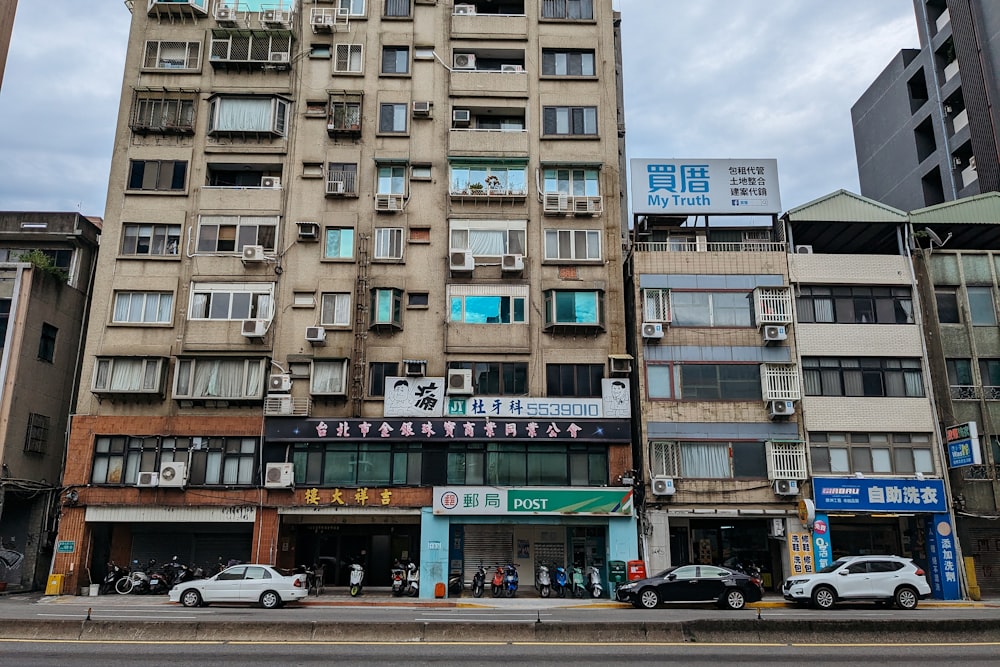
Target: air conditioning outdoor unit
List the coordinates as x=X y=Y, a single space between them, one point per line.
x=461 y=116
x=511 y=68
x=652 y=330
x=555 y=202
x=466 y=10
x=459 y=382
x=279 y=475
x=253 y=253
x=316 y=335
x=663 y=486
x=512 y=263
x=421 y=108
x=803 y=250
x=465 y=61
x=786 y=487
x=276 y=16
x=254 y=328
x=279 y=382
x=321 y=20
x=781 y=408
x=461 y=260
x=334 y=187
x=308 y=231
x=776 y=528
x=278 y=405
x=774 y=332
x=279 y=57
x=416 y=368
x=224 y=14
x=173 y=474
x=270 y=182
x=147 y=479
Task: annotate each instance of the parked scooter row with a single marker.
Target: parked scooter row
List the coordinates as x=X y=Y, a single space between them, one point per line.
x=151 y=578
x=405 y=579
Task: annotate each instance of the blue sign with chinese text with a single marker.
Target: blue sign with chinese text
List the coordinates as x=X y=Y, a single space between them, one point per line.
x=703 y=186
x=833 y=494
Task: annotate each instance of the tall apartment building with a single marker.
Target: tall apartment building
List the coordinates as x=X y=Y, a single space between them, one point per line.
x=7 y=10
x=925 y=131
x=47 y=265
x=361 y=292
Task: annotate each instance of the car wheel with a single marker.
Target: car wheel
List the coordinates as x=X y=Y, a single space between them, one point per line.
x=823 y=597
x=735 y=599
x=649 y=598
x=270 y=600
x=191 y=598
x=905 y=598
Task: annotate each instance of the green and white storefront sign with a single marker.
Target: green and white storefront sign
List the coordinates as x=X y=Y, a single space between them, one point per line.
x=495 y=500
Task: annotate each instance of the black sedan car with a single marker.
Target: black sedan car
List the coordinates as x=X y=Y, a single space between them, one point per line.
x=693 y=584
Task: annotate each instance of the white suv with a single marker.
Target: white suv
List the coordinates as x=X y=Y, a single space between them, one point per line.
x=882 y=579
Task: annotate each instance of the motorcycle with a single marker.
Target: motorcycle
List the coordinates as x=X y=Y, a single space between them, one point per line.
x=114 y=575
x=455 y=583
x=510 y=580
x=397 y=580
x=479 y=581
x=559 y=581
x=496 y=586
x=594 y=581
x=579 y=585
x=357 y=577
x=543 y=582
x=412 y=580
x=159 y=583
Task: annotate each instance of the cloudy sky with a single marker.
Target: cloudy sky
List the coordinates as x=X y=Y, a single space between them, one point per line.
x=704 y=79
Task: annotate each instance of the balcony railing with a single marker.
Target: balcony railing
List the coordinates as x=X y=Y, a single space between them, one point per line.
x=692 y=246
x=341 y=183
x=991 y=393
x=981 y=472
x=964 y=392
x=780 y=382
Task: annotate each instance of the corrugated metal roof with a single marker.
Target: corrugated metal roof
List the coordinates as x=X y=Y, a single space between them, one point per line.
x=844 y=206
x=982 y=209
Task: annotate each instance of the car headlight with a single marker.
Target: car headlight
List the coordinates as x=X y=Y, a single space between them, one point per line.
x=796 y=582
x=626 y=587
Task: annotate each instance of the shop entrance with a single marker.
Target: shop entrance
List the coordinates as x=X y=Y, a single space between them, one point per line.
x=736 y=544
x=375 y=547
x=859 y=536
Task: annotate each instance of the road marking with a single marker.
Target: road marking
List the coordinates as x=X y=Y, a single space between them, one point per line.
x=95 y=616
x=689 y=645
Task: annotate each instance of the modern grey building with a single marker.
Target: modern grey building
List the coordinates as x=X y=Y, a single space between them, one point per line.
x=925 y=131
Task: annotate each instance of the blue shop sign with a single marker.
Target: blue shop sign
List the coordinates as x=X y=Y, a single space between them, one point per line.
x=833 y=494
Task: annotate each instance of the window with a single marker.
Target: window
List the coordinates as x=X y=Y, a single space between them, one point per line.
x=143 y=307
x=158 y=175
x=172 y=55
x=163 y=111
x=989 y=373
x=395 y=60
x=225 y=378
x=488 y=238
x=213 y=461
x=489 y=180
x=350 y=59
x=711 y=309
x=117 y=459
x=655 y=305
x=388 y=243
x=328 y=377
x=568 y=9
x=883 y=453
x=397 y=8
x=378 y=371
x=4 y=319
x=568 y=62
x=582 y=182
x=709 y=460
x=704 y=382
x=855 y=305
x=248 y=115
x=231 y=233
x=960 y=381
x=496 y=378
x=473 y=304
x=231 y=301
x=947 y=305
x=319 y=51
x=660 y=381
x=339 y=243
x=36 y=439
x=341 y=178
x=573 y=380
x=345 y=113
x=353 y=7
x=584 y=307
x=982 y=310
x=47 y=342
x=336 y=309
x=417 y=299
x=863 y=376
x=386 y=307
x=576 y=244
x=139 y=375
x=392 y=118
x=150 y=240
x=569 y=121
x=391 y=180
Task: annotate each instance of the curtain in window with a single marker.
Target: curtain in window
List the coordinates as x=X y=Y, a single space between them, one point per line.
x=241 y=115
x=327 y=378
x=486 y=242
x=126 y=375
x=823 y=309
x=397 y=7
x=914 y=383
x=224 y=378
x=853 y=379
x=705 y=459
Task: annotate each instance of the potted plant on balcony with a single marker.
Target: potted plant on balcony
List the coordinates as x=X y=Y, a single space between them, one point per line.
x=493 y=184
x=476 y=188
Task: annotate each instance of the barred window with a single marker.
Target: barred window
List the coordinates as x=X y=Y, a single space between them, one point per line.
x=36 y=439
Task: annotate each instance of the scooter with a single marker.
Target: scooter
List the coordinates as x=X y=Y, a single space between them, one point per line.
x=479 y=582
x=455 y=583
x=579 y=586
x=412 y=580
x=496 y=586
x=559 y=581
x=397 y=580
x=543 y=582
x=594 y=581
x=510 y=580
x=115 y=573
x=357 y=577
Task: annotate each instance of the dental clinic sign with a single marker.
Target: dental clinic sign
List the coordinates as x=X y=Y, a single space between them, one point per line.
x=498 y=500
x=698 y=187
x=963 y=445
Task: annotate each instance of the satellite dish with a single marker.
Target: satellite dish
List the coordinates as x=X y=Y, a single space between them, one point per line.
x=935 y=239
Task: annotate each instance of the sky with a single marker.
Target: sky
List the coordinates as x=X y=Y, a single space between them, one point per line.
x=747 y=79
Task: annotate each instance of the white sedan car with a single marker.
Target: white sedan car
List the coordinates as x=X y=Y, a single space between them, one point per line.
x=255 y=584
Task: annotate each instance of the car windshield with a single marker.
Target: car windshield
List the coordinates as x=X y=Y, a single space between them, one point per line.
x=832 y=566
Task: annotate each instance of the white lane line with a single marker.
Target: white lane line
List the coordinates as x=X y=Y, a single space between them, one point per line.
x=483 y=620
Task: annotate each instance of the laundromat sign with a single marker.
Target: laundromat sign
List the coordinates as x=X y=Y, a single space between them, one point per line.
x=879 y=495
x=495 y=500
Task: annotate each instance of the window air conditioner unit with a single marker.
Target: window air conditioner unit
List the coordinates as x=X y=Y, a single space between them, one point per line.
x=652 y=330
x=308 y=231
x=466 y=10
x=388 y=202
x=663 y=486
x=147 y=479
x=279 y=57
x=253 y=253
x=586 y=205
x=459 y=382
x=270 y=182
x=461 y=116
x=254 y=328
x=279 y=475
x=774 y=332
x=511 y=68
x=416 y=368
x=786 y=487
x=335 y=187
x=461 y=260
x=465 y=61
x=555 y=202
x=512 y=263
x=421 y=108
x=803 y=249
x=781 y=408
x=776 y=528
x=279 y=382
x=316 y=335
x=277 y=405
x=173 y=474
x=620 y=365
x=321 y=20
